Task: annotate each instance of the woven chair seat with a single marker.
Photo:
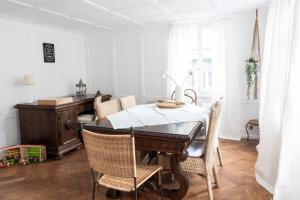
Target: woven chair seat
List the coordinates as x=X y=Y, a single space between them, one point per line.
x=143 y=173
x=193 y=165
x=195 y=150
x=85 y=118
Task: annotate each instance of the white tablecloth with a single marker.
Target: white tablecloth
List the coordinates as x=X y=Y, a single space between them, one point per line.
x=150 y=115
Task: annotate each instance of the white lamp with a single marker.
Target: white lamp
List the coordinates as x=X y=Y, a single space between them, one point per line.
x=28 y=82
x=28 y=79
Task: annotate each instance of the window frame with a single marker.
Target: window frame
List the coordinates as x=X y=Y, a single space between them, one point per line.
x=199 y=68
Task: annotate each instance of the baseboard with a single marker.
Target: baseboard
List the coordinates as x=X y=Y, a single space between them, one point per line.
x=253 y=137
x=245 y=100
x=233 y=137
x=264 y=183
x=253 y=134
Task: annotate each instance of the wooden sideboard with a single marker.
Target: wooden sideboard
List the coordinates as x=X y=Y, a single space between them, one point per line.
x=54 y=126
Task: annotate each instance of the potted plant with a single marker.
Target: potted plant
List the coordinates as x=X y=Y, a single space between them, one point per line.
x=251 y=70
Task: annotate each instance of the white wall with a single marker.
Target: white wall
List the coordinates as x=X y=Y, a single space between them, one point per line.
x=243 y=25
x=21 y=53
x=129 y=62
x=132 y=62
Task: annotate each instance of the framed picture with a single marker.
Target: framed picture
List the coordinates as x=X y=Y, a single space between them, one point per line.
x=49 y=53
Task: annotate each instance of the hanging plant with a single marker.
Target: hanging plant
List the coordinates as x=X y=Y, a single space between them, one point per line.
x=251 y=70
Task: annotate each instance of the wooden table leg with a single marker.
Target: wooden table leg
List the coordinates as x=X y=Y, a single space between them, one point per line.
x=180 y=176
x=113 y=194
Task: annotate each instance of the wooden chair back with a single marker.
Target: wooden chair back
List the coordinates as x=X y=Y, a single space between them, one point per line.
x=111 y=154
x=212 y=133
x=127 y=102
x=107 y=108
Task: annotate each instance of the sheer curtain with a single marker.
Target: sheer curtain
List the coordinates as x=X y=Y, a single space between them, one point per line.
x=182 y=39
x=221 y=39
x=221 y=34
x=278 y=163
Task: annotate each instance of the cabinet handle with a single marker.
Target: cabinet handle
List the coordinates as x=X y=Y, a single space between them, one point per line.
x=68 y=125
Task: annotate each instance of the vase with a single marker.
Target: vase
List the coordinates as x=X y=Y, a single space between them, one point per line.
x=179 y=94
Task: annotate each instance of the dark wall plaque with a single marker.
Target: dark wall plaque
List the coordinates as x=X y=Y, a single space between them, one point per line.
x=49 y=53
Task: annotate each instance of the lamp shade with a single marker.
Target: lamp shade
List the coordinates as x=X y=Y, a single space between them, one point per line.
x=28 y=80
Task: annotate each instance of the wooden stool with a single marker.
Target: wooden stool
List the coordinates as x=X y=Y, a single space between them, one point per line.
x=250 y=124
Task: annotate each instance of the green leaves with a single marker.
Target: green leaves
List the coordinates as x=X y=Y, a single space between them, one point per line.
x=251 y=68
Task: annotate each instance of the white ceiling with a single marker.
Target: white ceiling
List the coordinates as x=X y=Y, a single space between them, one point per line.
x=115 y=14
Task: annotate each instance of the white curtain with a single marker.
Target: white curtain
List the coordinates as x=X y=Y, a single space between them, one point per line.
x=221 y=57
x=278 y=163
x=182 y=38
x=220 y=39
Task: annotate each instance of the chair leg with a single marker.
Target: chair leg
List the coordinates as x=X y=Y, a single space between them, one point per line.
x=209 y=187
x=135 y=194
x=216 y=176
x=94 y=184
x=247 y=132
x=121 y=195
x=161 y=185
x=135 y=189
x=160 y=178
x=94 y=191
x=219 y=155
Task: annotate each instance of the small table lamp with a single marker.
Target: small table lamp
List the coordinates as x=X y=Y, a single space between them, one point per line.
x=28 y=82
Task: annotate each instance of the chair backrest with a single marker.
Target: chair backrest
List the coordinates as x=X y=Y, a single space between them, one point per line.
x=97 y=100
x=212 y=133
x=111 y=154
x=107 y=108
x=127 y=102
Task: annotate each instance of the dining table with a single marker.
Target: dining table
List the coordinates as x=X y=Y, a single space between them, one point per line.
x=172 y=138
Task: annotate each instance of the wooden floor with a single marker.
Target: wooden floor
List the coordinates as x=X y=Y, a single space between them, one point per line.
x=70 y=178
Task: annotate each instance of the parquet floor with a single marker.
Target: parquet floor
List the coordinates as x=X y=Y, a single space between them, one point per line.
x=70 y=178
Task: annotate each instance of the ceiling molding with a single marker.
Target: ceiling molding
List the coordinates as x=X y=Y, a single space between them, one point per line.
x=98 y=15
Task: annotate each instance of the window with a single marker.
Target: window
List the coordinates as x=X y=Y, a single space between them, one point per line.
x=190 y=49
x=201 y=61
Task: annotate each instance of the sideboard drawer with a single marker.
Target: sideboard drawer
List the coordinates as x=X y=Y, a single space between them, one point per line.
x=68 y=124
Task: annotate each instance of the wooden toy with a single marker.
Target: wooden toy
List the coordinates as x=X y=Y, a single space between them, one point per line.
x=24 y=154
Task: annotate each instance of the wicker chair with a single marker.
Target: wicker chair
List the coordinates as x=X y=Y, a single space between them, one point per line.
x=201 y=158
x=107 y=108
x=127 y=102
x=203 y=138
x=85 y=118
x=205 y=164
x=112 y=161
x=219 y=153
